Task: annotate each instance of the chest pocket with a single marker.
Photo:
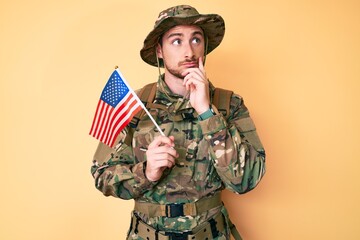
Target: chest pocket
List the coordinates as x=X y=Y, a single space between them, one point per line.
x=203 y=167
x=197 y=156
x=144 y=134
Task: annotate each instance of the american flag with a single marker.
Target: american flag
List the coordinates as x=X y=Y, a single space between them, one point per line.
x=117 y=106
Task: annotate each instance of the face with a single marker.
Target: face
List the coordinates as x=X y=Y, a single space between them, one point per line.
x=180 y=48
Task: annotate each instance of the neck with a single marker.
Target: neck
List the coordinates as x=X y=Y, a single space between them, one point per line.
x=175 y=83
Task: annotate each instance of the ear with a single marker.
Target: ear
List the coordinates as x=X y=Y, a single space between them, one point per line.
x=159 y=51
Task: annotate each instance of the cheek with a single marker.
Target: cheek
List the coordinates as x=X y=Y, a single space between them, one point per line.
x=200 y=50
x=170 y=56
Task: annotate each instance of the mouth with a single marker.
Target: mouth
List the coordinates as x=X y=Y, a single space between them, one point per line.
x=189 y=64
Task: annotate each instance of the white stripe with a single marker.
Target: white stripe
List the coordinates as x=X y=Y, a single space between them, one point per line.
x=96 y=118
x=110 y=132
x=106 y=118
x=127 y=116
x=116 y=108
x=98 y=113
x=100 y=128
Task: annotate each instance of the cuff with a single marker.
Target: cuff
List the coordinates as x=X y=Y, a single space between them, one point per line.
x=213 y=124
x=140 y=177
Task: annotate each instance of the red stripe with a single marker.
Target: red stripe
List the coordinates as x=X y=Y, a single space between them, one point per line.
x=99 y=113
x=107 y=123
x=113 y=139
x=101 y=123
x=96 y=115
x=114 y=132
x=116 y=114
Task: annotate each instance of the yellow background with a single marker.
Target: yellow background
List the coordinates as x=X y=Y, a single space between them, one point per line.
x=296 y=63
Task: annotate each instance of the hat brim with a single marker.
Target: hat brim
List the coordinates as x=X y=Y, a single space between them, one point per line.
x=213 y=26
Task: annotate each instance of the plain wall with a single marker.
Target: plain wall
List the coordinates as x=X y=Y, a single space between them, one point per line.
x=296 y=63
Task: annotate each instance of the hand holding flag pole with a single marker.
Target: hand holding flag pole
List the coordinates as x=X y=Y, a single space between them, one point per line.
x=117 y=106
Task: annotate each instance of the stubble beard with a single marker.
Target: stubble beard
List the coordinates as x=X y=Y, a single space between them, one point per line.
x=174 y=72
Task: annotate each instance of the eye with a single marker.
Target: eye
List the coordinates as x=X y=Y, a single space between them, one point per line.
x=176 y=42
x=196 y=40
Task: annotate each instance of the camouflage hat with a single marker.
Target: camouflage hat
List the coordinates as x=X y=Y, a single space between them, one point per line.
x=212 y=24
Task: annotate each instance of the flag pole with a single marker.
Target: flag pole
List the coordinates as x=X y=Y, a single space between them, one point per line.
x=140 y=102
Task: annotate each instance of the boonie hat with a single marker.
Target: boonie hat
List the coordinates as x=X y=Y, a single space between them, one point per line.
x=213 y=26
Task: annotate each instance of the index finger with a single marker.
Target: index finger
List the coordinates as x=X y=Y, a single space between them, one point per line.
x=161 y=140
x=201 y=64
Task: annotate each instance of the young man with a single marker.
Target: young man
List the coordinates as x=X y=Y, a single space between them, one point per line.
x=176 y=179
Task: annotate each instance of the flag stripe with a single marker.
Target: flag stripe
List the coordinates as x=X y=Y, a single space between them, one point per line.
x=126 y=115
x=126 y=122
x=104 y=109
x=107 y=122
x=98 y=117
x=95 y=118
x=119 y=113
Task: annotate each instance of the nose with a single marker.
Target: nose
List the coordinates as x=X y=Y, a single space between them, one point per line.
x=189 y=51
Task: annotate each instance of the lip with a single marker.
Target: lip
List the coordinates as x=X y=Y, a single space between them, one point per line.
x=190 y=64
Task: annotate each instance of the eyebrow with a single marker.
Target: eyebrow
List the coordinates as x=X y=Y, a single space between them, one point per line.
x=180 y=34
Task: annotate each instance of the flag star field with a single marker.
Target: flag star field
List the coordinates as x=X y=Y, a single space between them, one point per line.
x=115 y=90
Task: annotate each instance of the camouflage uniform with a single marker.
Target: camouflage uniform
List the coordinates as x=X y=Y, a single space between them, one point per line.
x=214 y=154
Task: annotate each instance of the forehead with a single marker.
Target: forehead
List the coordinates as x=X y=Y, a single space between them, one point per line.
x=182 y=29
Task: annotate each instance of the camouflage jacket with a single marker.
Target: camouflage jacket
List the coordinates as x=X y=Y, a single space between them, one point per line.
x=214 y=154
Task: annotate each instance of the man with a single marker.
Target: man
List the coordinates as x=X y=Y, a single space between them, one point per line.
x=176 y=179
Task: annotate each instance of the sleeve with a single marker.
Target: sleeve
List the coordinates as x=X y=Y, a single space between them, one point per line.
x=116 y=171
x=237 y=153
